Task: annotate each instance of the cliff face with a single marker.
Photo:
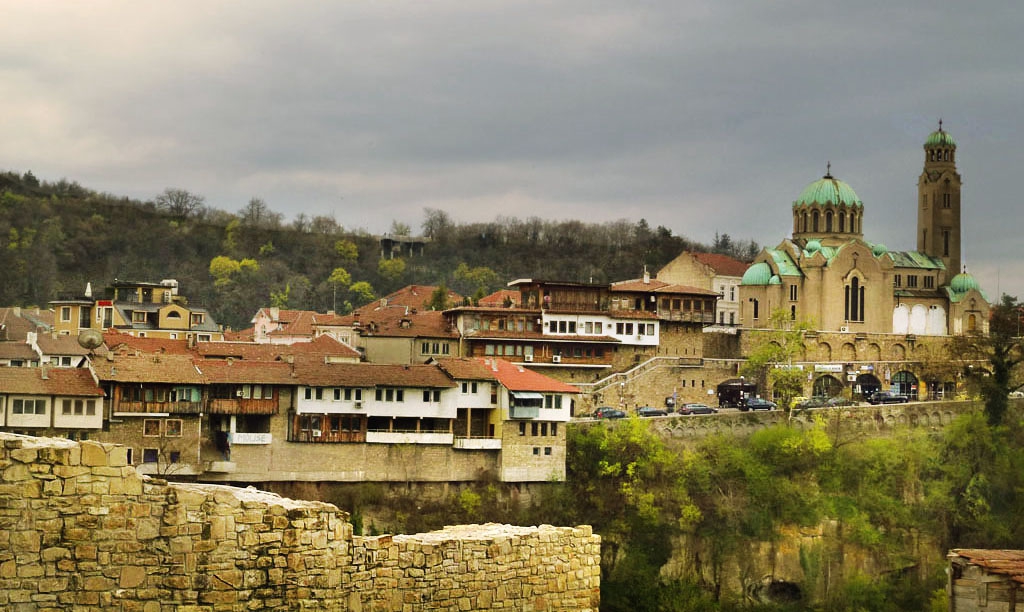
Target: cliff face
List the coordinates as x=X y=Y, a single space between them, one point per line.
x=79 y=527
x=802 y=564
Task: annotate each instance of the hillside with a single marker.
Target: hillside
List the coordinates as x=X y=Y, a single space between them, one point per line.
x=59 y=235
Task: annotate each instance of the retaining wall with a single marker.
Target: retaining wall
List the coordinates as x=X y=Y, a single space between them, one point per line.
x=81 y=530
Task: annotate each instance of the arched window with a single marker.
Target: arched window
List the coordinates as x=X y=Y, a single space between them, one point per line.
x=805 y=221
x=828 y=221
x=842 y=222
x=972 y=323
x=854 y=300
x=755 y=309
x=814 y=221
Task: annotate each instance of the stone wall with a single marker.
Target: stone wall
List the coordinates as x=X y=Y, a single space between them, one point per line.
x=81 y=529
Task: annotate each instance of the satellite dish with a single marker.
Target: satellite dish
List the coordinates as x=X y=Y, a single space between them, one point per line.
x=90 y=339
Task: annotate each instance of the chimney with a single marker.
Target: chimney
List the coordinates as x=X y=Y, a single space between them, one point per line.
x=43 y=372
x=647 y=276
x=275 y=313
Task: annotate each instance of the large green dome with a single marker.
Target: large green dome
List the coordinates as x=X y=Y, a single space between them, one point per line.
x=963 y=282
x=940 y=138
x=828 y=190
x=757 y=274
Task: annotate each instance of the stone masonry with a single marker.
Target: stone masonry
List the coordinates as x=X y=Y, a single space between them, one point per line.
x=81 y=530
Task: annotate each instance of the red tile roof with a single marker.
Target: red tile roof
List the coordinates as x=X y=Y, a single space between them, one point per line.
x=518 y=378
x=656 y=286
x=60 y=345
x=261 y=372
x=309 y=371
x=722 y=264
x=57 y=381
x=1009 y=563
x=413 y=296
x=121 y=342
x=152 y=368
x=17 y=350
x=466 y=368
x=500 y=297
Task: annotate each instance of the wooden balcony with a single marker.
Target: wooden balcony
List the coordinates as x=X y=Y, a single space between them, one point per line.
x=127 y=407
x=240 y=405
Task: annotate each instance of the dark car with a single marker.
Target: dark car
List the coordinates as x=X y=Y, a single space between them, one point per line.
x=697 y=409
x=604 y=412
x=887 y=397
x=650 y=411
x=756 y=403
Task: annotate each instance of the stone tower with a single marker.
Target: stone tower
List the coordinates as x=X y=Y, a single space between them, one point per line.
x=938 y=202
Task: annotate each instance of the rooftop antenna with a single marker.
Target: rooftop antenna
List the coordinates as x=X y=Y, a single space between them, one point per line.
x=828 y=170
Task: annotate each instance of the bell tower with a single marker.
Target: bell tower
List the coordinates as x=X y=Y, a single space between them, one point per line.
x=938 y=203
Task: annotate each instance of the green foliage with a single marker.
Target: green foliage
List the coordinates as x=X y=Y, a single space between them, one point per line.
x=391 y=269
x=1003 y=351
x=346 y=250
x=479 y=280
x=439 y=298
x=772 y=359
x=363 y=292
x=340 y=278
x=279 y=299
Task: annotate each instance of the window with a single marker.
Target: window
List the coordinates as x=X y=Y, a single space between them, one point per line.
x=175 y=456
x=138 y=316
x=130 y=452
x=84 y=314
x=90 y=407
x=732 y=293
x=929 y=282
x=792 y=293
x=174 y=314
x=543 y=429
x=522 y=428
x=197 y=318
x=151 y=428
x=307 y=393
x=912 y=281
x=547 y=450
x=150 y=455
x=897 y=281
x=65 y=314
x=854 y=300
x=755 y=304
x=946 y=201
x=536 y=450
x=554 y=429
x=28 y=406
x=173 y=428
x=945 y=243
x=65 y=407
x=337 y=394
x=598 y=327
x=534 y=429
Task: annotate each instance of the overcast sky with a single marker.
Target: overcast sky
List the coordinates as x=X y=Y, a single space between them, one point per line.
x=698 y=116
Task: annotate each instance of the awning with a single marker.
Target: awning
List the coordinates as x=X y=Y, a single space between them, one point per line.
x=527 y=395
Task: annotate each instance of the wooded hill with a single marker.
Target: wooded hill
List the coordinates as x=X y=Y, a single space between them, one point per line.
x=57 y=236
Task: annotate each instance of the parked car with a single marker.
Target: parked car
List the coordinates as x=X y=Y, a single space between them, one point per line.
x=697 y=409
x=757 y=403
x=650 y=411
x=839 y=402
x=607 y=412
x=887 y=397
x=1016 y=394
x=812 y=402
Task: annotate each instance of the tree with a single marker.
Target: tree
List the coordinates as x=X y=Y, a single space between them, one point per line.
x=347 y=250
x=772 y=359
x=339 y=278
x=439 y=298
x=363 y=291
x=1002 y=350
x=391 y=269
x=438 y=224
x=179 y=203
x=400 y=229
x=258 y=214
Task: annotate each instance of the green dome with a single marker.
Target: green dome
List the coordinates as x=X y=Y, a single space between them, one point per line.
x=963 y=282
x=940 y=138
x=879 y=249
x=775 y=280
x=757 y=274
x=828 y=189
x=813 y=246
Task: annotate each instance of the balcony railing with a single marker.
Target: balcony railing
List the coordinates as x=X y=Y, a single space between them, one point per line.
x=409 y=437
x=481 y=443
x=160 y=407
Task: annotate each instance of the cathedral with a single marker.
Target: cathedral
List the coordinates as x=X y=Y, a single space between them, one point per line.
x=829 y=274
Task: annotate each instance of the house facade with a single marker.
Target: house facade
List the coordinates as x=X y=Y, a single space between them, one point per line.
x=711 y=271
x=142 y=309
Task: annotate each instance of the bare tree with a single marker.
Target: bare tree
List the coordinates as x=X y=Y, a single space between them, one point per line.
x=258 y=214
x=180 y=203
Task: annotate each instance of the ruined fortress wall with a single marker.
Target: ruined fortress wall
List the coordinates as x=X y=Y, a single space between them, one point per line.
x=80 y=529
